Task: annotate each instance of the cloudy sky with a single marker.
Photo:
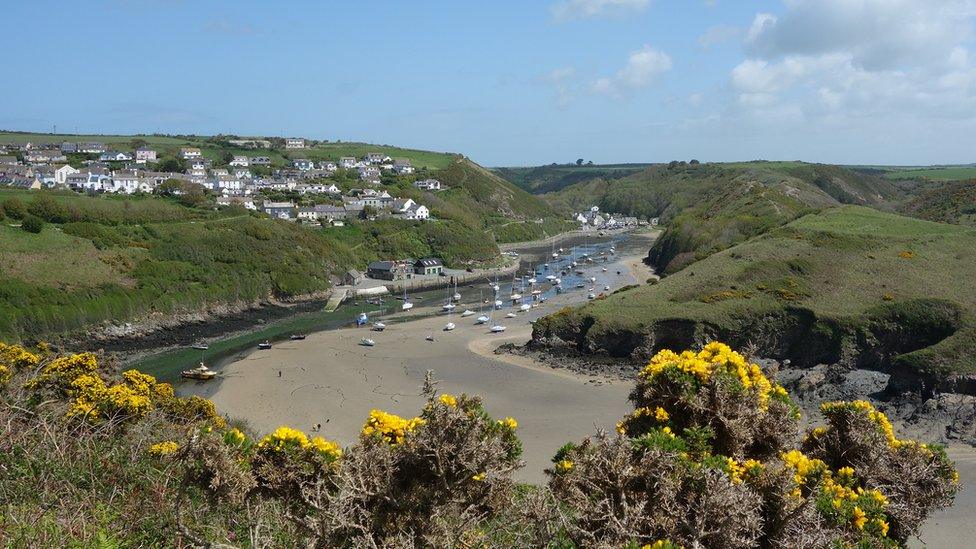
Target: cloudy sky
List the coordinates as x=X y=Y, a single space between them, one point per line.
x=512 y=82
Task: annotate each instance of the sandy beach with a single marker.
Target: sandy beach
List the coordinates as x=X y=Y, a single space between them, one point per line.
x=329 y=378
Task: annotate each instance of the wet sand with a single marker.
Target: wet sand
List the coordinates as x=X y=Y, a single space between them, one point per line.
x=329 y=378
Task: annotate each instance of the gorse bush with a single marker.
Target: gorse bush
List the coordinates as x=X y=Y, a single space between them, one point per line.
x=32 y=224
x=710 y=457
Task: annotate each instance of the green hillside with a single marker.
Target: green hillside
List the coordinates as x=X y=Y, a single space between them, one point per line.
x=948 y=202
x=554 y=177
x=849 y=284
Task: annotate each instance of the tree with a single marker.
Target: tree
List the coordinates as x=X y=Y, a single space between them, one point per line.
x=192 y=195
x=32 y=224
x=579 y=161
x=49 y=209
x=14 y=208
x=694 y=162
x=171 y=164
x=227 y=157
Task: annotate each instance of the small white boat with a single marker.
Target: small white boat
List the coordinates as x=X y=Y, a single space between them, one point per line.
x=516 y=297
x=297 y=337
x=367 y=342
x=201 y=372
x=467 y=312
x=561 y=250
x=378 y=326
x=495 y=287
x=362 y=319
x=604 y=269
x=536 y=292
x=497 y=329
x=555 y=255
x=532 y=280
x=550 y=277
x=591 y=295
x=406 y=306
x=264 y=345
x=525 y=307
x=449 y=307
x=579 y=271
x=558 y=281
x=579 y=285
x=456 y=297
x=592 y=279
x=449 y=326
x=200 y=346
x=498 y=304
x=429 y=338
x=606 y=288
x=511 y=315
x=482 y=319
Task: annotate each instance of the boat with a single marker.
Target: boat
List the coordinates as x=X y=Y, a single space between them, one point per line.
x=429 y=338
x=467 y=312
x=407 y=305
x=579 y=285
x=511 y=315
x=201 y=372
x=525 y=307
x=579 y=271
x=498 y=304
x=591 y=295
x=367 y=342
x=558 y=281
x=264 y=345
x=592 y=279
x=378 y=326
x=550 y=278
x=604 y=269
x=297 y=337
x=449 y=306
x=497 y=329
x=536 y=293
x=457 y=295
x=200 y=346
x=449 y=326
x=606 y=288
x=482 y=319
x=362 y=319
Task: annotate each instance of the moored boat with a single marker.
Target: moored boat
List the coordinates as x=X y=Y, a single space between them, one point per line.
x=367 y=342
x=201 y=372
x=264 y=344
x=297 y=337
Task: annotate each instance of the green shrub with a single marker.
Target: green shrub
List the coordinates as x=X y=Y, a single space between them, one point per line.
x=14 y=208
x=32 y=224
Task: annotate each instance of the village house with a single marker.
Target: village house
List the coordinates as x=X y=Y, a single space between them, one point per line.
x=7 y=159
x=417 y=212
x=347 y=162
x=428 y=185
x=320 y=188
x=188 y=153
x=241 y=161
x=91 y=148
x=45 y=174
x=329 y=212
x=114 y=156
x=303 y=164
x=369 y=173
x=294 y=143
x=428 y=266
x=61 y=174
x=402 y=167
x=124 y=181
x=307 y=214
x=242 y=173
x=69 y=147
x=250 y=143
x=352 y=277
x=279 y=210
x=243 y=202
x=260 y=161
x=375 y=158
x=45 y=156
x=328 y=166
x=145 y=154
x=386 y=270
x=25 y=183
x=228 y=184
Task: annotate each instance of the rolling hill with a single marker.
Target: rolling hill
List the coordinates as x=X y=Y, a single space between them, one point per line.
x=948 y=202
x=849 y=284
x=555 y=177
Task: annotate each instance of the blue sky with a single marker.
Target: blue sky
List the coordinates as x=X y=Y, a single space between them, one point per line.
x=512 y=82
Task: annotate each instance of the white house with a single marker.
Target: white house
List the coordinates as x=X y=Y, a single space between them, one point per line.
x=303 y=164
x=240 y=161
x=260 y=161
x=279 y=210
x=125 y=181
x=190 y=152
x=145 y=154
x=347 y=162
x=375 y=158
x=417 y=211
x=294 y=143
x=327 y=165
x=61 y=174
x=45 y=156
x=402 y=167
x=228 y=184
x=428 y=185
x=115 y=156
x=242 y=173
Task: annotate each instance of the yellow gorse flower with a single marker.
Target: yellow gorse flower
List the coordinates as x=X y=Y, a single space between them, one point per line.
x=448 y=400
x=478 y=478
x=393 y=428
x=860 y=518
x=564 y=466
x=286 y=439
x=508 y=423
x=164 y=448
x=714 y=358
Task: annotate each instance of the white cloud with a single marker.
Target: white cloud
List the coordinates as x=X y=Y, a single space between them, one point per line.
x=858 y=59
x=561 y=80
x=719 y=34
x=585 y=9
x=641 y=70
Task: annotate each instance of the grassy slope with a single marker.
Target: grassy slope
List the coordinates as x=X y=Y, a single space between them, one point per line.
x=829 y=286
x=941 y=173
x=709 y=207
x=554 y=177
x=948 y=202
